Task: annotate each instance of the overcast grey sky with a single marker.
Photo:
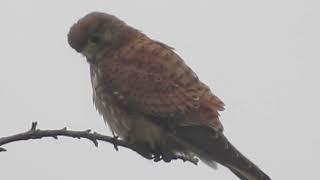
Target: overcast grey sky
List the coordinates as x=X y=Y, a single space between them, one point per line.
x=260 y=57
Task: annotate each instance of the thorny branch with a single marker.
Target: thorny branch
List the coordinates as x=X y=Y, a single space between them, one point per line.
x=34 y=133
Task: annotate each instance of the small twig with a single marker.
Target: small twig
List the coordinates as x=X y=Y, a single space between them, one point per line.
x=94 y=137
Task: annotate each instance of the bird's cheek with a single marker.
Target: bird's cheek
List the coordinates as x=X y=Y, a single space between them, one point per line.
x=89 y=50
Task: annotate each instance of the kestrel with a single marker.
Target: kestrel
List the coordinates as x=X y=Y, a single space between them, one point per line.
x=149 y=97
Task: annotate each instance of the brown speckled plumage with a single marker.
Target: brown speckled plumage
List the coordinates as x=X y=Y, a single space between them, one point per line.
x=150 y=97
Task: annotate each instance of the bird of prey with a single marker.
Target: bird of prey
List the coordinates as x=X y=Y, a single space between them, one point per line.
x=149 y=97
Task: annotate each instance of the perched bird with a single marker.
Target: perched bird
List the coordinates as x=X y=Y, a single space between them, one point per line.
x=149 y=97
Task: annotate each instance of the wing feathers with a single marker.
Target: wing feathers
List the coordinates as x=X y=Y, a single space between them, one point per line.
x=213 y=146
x=157 y=82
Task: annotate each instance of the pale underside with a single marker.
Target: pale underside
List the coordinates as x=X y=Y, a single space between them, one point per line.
x=122 y=124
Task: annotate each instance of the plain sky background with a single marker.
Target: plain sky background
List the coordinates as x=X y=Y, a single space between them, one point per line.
x=260 y=57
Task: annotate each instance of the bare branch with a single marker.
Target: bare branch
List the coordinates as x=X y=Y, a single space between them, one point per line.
x=94 y=137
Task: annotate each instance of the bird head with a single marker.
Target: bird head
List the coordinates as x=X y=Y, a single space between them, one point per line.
x=98 y=33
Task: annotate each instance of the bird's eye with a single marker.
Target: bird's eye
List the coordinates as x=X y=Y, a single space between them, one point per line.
x=94 y=38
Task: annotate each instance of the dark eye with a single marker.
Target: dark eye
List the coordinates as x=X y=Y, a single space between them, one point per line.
x=95 y=38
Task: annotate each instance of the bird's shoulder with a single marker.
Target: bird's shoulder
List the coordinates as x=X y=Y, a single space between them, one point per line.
x=151 y=78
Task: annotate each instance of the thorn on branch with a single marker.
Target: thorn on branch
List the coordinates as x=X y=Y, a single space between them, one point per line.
x=2 y=149
x=114 y=139
x=95 y=142
x=34 y=126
